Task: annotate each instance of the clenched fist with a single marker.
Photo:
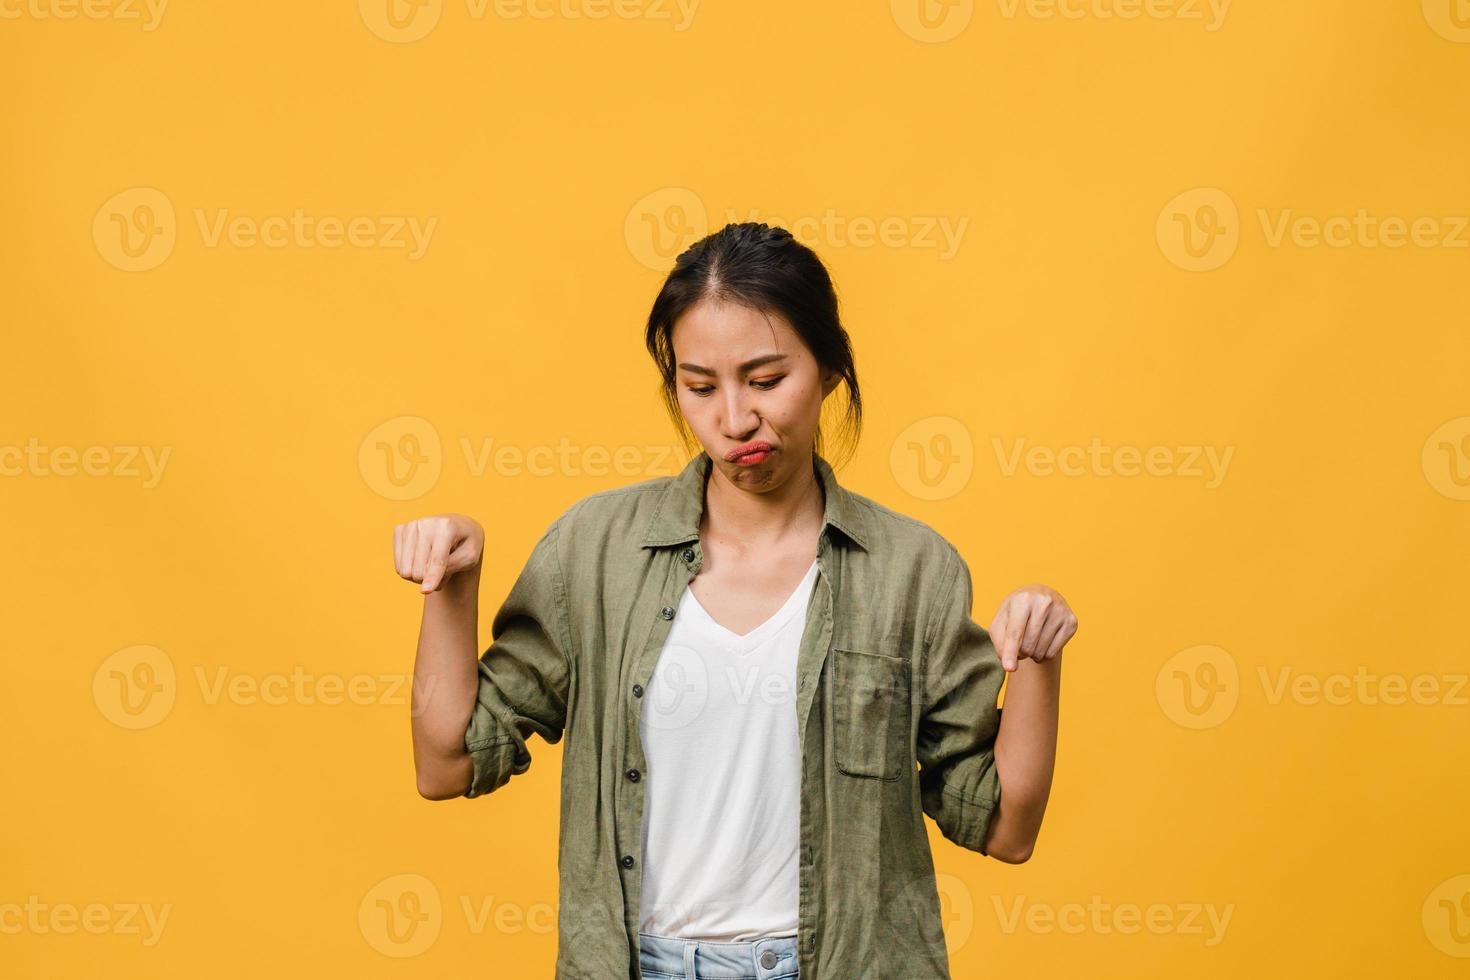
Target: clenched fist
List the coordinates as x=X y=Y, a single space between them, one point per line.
x=431 y=549
x=1034 y=621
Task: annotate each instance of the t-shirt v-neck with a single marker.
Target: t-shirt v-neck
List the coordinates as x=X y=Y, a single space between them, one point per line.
x=721 y=823
x=746 y=642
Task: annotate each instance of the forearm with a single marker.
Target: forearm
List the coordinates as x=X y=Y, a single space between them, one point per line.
x=1025 y=757
x=445 y=682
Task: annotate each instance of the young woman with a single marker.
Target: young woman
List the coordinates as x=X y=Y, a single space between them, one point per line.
x=765 y=679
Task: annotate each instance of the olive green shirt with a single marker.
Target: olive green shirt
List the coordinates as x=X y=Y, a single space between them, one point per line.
x=896 y=716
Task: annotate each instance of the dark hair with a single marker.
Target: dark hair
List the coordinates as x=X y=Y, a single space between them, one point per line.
x=763 y=267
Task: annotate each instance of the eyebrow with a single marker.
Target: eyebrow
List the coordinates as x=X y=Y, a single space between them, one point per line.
x=749 y=365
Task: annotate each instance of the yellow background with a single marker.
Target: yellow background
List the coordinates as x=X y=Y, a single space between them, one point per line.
x=549 y=150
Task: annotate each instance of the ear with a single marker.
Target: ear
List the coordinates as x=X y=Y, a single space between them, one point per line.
x=830 y=380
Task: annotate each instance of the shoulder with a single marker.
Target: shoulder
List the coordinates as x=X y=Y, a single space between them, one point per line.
x=911 y=562
x=895 y=535
x=618 y=513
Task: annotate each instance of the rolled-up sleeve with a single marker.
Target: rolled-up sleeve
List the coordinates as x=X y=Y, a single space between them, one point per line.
x=525 y=674
x=958 y=722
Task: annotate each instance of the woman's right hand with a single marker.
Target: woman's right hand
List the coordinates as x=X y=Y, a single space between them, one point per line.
x=431 y=550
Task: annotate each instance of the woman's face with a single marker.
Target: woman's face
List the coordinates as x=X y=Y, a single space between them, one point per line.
x=746 y=378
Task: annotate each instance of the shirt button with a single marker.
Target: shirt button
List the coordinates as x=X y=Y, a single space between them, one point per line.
x=637 y=690
x=633 y=775
x=667 y=612
x=627 y=861
x=768 y=959
x=688 y=554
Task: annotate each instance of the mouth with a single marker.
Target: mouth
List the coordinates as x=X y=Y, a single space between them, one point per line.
x=750 y=453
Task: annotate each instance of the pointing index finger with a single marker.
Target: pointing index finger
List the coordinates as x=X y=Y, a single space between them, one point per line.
x=1009 y=637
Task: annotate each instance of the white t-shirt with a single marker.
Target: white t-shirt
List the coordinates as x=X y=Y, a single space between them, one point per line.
x=722 y=797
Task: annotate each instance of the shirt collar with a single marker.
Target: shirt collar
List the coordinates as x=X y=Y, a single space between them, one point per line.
x=681 y=504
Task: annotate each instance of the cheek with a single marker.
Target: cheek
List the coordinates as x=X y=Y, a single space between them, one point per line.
x=803 y=398
x=693 y=407
x=798 y=407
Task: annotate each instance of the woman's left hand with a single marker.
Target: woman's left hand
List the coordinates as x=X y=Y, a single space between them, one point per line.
x=1034 y=621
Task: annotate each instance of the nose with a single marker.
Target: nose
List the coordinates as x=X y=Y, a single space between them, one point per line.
x=740 y=419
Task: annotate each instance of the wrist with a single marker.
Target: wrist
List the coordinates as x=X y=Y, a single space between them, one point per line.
x=461 y=586
x=1050 y=668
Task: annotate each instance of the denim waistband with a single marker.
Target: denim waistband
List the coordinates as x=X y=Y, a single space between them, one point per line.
x=699 y=959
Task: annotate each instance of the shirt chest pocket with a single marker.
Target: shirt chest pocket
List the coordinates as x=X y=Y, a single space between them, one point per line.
x=870 y=697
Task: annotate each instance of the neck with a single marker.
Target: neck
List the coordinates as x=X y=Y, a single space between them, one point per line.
x=762 y=517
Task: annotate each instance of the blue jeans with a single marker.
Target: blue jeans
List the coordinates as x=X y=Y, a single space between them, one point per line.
x=666 y=958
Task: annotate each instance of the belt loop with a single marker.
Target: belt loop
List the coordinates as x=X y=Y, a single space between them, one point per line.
x=689 y=948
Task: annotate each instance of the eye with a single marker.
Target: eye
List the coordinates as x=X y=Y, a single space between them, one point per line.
x=763 y=385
